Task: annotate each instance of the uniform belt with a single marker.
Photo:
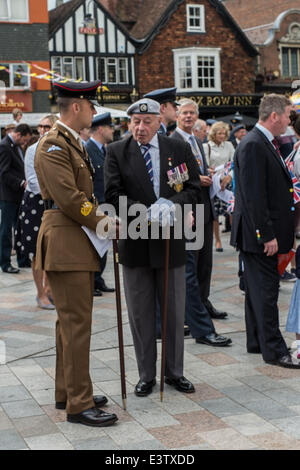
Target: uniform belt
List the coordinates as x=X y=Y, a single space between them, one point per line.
x=49 y=204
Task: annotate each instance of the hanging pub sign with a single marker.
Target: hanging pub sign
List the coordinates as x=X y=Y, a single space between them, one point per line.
x=89 y=26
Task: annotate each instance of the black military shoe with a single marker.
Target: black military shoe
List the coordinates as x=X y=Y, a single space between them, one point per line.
x=99 y=400
x=105 y=288
x=181 y=384
x=285 y=361
x=93 y=417
x=214 y=340
x=97 y=293
x=142 y=389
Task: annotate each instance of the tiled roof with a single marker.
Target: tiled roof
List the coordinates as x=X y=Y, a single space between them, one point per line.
x=61 y=13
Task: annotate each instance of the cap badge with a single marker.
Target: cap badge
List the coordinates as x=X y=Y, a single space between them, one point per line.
x=86 y=208
x=143 y=107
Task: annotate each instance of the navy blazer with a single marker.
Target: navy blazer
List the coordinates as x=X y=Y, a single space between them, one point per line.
x=97 y=157
x=264 y=203
x=125 y=173
x=12 y=172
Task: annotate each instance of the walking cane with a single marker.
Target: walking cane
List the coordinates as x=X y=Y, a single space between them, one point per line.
x=119 y=318
x=164 y=317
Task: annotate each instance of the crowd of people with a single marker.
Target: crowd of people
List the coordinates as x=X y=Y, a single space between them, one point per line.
x=56 y=185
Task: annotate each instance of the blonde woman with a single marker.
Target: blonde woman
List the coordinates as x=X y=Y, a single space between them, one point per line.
x=30 y=215
x=219 y=151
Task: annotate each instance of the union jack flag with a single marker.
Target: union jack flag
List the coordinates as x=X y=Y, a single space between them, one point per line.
x=289 y=161
x=230 y=207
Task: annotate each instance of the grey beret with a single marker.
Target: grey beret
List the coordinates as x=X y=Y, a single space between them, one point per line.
x=144 y=106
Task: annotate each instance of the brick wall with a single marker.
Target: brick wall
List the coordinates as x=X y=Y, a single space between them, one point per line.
x=249 y=13
x=156 y=68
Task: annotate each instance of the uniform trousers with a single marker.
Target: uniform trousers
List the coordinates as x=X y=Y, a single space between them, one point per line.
x=73 y=296
x=143 y=285
x=261 y=310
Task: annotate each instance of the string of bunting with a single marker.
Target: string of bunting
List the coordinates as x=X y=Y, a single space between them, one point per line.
x=49 y=75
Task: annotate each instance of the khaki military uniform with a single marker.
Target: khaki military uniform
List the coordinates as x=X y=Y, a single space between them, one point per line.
x=67 y=255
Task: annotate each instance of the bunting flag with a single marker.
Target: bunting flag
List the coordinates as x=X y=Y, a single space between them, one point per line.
x=49 y=75
x=295 y=99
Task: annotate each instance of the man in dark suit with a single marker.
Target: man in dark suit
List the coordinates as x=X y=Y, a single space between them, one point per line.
x=263 y=226
x=12 y=186
x=239 y=133
x=199 y=262
x=101 y=134
x=137 y=167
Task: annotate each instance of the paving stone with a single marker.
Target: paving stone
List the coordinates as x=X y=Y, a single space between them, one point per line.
x=11 y=440
x=173 y=437
x=269 y=409
x=242 y=394
x=275 y=441
x=290 y=426
x=126 y=433
x=262 y=383
x=223 y=407
x=227 y=439
x=102 y=443
x=21 y=409
x=35 y=426
x=249 y=424
x=13 y=393
x=5 y=422
x=49 y=442
x=284 y=396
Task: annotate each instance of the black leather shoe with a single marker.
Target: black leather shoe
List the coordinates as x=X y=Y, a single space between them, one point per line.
x=182 y=384
x=186 y=331
x=11 y=270
x=104 y=288
x=97 y=293
x=99 y=400
x=285 y=361
x=142 y=389
x=214 y=313
x=93 y=417
x=214 y=340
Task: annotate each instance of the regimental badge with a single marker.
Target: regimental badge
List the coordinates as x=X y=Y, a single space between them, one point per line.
x=143 y=107
x=53 y=148
x=86 y=208
x=258 y=234
x=177 y=176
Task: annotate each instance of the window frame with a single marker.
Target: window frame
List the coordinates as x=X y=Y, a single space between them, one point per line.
x=193 y=53
x=10 y=66
x=12 y=20
x=62 y=63
x=117 y=65
x=290 y=47
x=195 y=29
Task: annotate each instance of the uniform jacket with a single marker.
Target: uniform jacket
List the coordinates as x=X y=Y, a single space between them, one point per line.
x=125 y=173
x=97 y=157
x=209 y=211
x=264 y=207
x=65 y=176
x=11 y=172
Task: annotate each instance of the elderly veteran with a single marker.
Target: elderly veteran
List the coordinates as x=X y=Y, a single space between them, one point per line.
x=65 y=176
x=137 y=167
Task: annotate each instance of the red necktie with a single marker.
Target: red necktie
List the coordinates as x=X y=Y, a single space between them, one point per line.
x=275 y=143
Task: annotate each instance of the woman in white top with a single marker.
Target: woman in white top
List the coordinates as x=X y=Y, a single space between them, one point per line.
x=30 y=215
x=218 y=151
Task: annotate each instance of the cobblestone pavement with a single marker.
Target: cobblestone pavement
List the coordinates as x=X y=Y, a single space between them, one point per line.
x=240 y=402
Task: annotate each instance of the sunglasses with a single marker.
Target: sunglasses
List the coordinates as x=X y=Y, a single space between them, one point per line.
x=46 y=128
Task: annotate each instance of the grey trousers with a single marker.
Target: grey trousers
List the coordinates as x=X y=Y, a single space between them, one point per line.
x=141 y=285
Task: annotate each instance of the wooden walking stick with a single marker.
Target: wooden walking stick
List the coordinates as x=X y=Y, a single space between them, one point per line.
x=119 y=318
x=164 y=316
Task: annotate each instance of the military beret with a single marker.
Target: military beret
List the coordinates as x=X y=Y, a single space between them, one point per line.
x=81 y=90
x=144 y=106
x=102 y=120
x=163 y=95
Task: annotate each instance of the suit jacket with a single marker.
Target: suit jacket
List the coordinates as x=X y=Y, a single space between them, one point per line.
x=209 y=211
x=65 y=177
x=264 y=206
x=97 y=157
x=11 y=172
x=125 y=173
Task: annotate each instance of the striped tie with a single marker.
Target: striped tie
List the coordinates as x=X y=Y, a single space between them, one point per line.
x=145 y=149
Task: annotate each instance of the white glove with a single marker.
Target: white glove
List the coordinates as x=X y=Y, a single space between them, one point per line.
x=162 y=211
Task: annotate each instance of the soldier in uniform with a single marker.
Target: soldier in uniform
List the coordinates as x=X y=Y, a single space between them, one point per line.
x=64 y=251
x=166 y=97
